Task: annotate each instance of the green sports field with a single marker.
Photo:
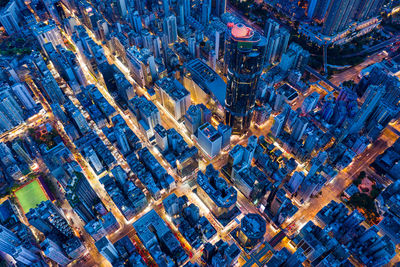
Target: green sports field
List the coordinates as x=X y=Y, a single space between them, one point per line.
x=30 y=195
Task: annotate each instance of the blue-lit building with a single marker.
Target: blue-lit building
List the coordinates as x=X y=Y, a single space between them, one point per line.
x=159 y=240
x=215 y=192
x=226 y=132
x=203 y=83
x=252 y=230
x=173 y=96
x=209 y=139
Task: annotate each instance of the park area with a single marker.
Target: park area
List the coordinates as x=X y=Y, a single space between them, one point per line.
x=30 y=195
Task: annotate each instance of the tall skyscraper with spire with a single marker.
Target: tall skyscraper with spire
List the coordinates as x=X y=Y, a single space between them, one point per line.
x=244 y=59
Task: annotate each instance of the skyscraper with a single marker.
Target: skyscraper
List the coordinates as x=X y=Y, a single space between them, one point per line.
x=170 y=29
x=136 y=21
x=122 y=141
x=277 y=40
x=338 y=16
x=47 y=219
x=21 y=152
x=166 y=7
x=372 y=96
x=52 y=90
x=186 y=7
x=205 y=12
x=192 y=46
x=139 y=6
x=23 y=95
x=244 y=58
x=10 y=108
x=226 y=133
x=121 y=4
x=271 y=28
x=5 y=123
x=218 y=7
x=9 y=17
x=54 y=252
x=94 y=160
x=80 y=121
x=107 y=249
x=193 y=118
x=299 y=127
x=209 y=139
x=82 y=197
x=368 y=9
x=278 y=124
x=8 y=240
x=145 y=112
x=161 y=137
x=173 y=96
x=294 y=58
x=45 y=33
x=24 y=255
x=317 y=9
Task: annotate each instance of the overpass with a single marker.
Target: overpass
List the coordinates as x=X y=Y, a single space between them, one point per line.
x=376 y=47
x=319 y=76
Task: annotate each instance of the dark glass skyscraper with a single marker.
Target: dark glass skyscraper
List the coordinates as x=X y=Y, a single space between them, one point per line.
x=244 y=58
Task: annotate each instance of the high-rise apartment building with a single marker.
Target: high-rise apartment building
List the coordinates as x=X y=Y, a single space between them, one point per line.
x=317 y=9
x=107 y=249
x=45 y=33
x=209 y=139
x=278 y=125
x=47 y=219
x=10 y=108
x=338 y=15
x=82 y=197
x=52 y=90
x=170 y=29
x=372 y=97
x=122 y=140
x=193 y=118
x=146 y=113
x=23 y=95
x=299 y=128
x=218 y=7
x=368 y=9
x=277 y=40
x=53 y=251
x=9 y=17
x=173 y=96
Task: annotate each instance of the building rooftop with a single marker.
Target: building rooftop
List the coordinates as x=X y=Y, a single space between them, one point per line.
x=140 y=55
x=209 y=131
x=219 y=191
x=207 y=79
x=172 y=87
x=145 y=106
x=241 y=31
x=150 y=220
x=253 y=226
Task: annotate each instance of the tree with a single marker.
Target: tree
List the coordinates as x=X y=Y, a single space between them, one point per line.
x=349 y=84
x=375 y=192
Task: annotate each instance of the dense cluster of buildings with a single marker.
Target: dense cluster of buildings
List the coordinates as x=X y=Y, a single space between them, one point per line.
x=158 y=239
x=334 y=22
x=186 y=217
x=337 y=234
x=172 y=133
